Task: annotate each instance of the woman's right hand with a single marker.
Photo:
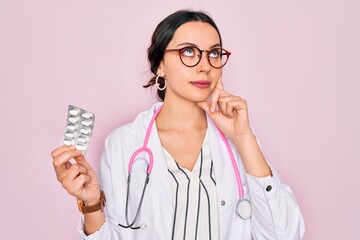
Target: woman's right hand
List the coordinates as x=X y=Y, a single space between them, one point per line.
x=78 y=178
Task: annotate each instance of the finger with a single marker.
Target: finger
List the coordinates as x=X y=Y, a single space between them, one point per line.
x=74 y=171
x=68 y=165
x=77 y=186
x=220 y=84
x=204 y=105
x=82 y=160
x=222 y=109
x=228 y=98
x=216 y=94
x=238 y=105
x=90 y=171
x=60 y=162
x=224 y=96
x=230 y=110
x=56 y=152
x=228 y=104
x=214 y=100
x=66 y=156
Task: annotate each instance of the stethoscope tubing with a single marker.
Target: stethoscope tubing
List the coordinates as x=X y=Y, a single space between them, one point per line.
x=145 y=148
x=130 y=225
x=233 y=162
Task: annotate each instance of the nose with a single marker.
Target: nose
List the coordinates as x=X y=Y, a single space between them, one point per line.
x=204 y=65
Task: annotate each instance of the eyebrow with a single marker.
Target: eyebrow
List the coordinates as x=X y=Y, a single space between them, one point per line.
x=192 y=44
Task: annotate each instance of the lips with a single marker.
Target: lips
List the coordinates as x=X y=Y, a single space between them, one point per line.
x=201 y=83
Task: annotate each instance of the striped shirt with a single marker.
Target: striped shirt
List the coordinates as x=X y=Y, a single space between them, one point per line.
x=195 y=198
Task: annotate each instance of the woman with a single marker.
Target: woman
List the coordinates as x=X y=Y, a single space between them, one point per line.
x=193 y=190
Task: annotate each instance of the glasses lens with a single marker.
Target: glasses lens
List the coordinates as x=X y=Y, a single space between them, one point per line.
x=218 y=57
x=190 y=56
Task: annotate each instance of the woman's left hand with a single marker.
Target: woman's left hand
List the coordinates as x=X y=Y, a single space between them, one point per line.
x=231 y=116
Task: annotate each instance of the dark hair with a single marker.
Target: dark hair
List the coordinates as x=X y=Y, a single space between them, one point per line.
x=163 y=34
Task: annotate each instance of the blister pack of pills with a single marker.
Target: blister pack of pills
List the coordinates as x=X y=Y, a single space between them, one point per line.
x=79 y=128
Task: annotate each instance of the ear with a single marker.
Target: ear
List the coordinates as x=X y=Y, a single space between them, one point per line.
x=160 y=69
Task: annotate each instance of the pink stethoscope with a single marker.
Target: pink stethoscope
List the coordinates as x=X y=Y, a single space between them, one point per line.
x=243 y=207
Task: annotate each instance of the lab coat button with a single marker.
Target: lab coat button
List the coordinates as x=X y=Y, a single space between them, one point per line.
x=222 y=203
x=268 y=188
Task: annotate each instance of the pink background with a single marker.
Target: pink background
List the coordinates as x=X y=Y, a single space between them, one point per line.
x=296 y=62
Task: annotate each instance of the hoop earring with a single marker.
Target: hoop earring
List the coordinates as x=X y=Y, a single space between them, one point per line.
x=157 y=83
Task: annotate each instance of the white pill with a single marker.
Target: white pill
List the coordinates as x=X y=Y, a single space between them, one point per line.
x=73 y=119
x=86 y=123
x=83 y=139
x=70 y=134
x=68 y=142
x=74 y=111
x=80 y=147
x=71 y=127
x=85 y=131
x=87 y=115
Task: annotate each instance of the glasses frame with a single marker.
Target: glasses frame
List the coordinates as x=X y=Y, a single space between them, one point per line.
x=179 y=50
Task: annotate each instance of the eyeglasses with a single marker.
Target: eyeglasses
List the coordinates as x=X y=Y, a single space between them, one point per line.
x=190 y=56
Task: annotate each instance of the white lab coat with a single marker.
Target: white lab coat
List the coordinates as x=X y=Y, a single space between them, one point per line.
x=275 y=215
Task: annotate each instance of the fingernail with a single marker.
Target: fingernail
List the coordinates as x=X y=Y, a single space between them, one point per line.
x=212 y=109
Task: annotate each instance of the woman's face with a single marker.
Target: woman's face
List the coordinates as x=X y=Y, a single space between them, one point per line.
x=191 y=83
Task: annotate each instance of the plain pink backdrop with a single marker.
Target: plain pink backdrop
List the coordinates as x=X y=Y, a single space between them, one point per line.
x=296 y=62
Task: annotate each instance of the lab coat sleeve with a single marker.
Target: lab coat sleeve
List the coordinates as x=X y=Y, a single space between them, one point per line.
x=276 y=214
x=108 y=231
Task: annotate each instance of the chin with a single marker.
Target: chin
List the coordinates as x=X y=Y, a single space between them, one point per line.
x=201 y=98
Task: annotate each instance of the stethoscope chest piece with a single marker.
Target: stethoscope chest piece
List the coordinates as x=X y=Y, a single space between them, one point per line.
x=243 y=209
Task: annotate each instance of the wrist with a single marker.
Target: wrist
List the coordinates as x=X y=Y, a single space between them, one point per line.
x=249 y=136
x=94 y=200
x=90 y=206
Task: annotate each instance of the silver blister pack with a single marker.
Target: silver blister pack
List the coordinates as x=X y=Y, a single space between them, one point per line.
x=79 y=128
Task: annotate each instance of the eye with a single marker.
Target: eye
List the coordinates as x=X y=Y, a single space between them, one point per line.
x=215 y=53
x=188 y=52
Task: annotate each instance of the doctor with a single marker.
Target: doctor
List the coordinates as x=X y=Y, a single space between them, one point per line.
x=197 y=175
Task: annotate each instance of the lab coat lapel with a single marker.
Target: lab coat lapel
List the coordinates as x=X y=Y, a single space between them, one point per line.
x=160 y=174
x=162 y=207
x=162 y=204
x=224 y=176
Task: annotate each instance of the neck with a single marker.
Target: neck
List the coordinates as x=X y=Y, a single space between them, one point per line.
x=181 y=115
